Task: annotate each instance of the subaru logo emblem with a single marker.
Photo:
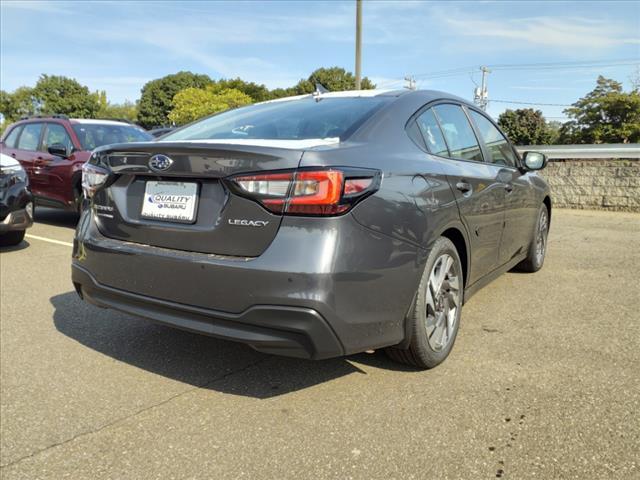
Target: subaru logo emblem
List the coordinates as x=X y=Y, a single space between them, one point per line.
x=160 y=163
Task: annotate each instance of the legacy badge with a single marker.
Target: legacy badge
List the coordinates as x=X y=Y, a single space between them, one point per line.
x=248 y=223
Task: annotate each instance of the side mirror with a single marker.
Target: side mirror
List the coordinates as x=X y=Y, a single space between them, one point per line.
x=59 y=150
x=534 y=160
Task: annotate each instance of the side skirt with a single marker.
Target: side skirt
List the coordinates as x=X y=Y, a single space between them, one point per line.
x=52 y=203
x=490 y=277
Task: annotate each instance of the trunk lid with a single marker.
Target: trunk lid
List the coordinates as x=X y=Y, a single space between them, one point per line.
x=222 y=223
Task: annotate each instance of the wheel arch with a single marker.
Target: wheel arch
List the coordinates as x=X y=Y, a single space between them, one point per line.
x=547 y=201
x=459 y=240
x=76 y=180
x=456 y=234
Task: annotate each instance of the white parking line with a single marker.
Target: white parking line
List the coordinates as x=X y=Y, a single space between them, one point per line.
x=50 y=240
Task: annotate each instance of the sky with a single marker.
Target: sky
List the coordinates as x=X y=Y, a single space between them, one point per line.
x=118 y=46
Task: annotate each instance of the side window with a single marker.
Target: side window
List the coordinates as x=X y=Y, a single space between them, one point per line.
x=10 y=141
x=56 y=133
x=414 y=134
x=432 y=134
x=30 y=136
x=462 y=142
x=498 y=146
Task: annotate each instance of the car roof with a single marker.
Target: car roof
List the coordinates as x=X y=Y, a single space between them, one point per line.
x=97 y=121
x=339 y=94
x=84 y=121
x=426 y=96
x=423 y=96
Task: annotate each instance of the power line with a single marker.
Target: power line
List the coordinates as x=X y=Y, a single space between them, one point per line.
x=448 y=73
x=532 y=103
x=453 y=72
x=532 y=66
x=565 y=65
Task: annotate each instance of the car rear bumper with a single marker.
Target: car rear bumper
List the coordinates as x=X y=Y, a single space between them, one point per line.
x=323 y=288
x=280 y=330
x=17 y=220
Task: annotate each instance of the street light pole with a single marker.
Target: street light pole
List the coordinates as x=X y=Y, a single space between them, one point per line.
x=358 y=43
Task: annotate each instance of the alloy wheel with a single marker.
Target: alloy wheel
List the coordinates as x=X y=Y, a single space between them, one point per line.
x=541 y=236
x=443 y=301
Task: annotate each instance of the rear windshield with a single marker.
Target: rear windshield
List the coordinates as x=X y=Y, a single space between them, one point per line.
x=298 y=119
x=98 y=134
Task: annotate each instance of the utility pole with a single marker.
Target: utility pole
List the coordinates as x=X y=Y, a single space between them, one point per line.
x=480 y=94
x=411 y=82
x=358 y=43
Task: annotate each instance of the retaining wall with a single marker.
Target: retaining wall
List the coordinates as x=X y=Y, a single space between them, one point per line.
x=609 y=184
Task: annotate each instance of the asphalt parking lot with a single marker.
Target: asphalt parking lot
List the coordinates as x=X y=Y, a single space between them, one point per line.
x=543 y=381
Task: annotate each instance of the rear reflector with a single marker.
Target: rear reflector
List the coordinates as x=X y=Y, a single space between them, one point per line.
x=356 y=185
x=307 y=192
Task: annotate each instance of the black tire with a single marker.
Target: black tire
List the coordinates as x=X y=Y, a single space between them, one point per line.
x=77 y=199
x=420 y=352
x=534 y=261
x=10 y=239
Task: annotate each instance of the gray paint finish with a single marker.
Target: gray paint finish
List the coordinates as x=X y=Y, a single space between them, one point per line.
x=358 y=271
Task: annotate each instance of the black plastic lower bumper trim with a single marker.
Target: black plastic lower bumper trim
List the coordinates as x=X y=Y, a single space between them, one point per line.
x=281 y=330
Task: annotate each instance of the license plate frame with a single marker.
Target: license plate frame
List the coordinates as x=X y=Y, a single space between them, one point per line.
x=170 y=201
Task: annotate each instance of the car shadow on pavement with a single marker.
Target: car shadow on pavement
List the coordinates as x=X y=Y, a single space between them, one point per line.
x=14 y=248
x=198 y=360
x=55 y=217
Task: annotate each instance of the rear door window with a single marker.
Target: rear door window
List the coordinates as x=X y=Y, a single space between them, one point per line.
x=432 y=134
x=30 y=137
x=10 y=141
x=457 y=130
x=499 y=147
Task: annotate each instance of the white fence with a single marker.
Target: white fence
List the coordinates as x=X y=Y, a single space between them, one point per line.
x=612 y=150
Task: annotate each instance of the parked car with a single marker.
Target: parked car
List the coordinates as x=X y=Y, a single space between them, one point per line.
x=16 y=202
x=158 y=132
x=53 y=149
x=314 y=226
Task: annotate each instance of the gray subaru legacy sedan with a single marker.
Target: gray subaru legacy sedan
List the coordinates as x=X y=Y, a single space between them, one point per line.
x=314 y=226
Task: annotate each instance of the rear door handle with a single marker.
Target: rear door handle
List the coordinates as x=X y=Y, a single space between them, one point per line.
x=508 y=188
x=463 y=186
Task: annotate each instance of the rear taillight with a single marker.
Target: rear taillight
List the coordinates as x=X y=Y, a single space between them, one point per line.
x=93 y=177
x=308 y=192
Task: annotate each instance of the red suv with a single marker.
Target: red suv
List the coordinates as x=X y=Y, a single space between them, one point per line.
x=53 y=149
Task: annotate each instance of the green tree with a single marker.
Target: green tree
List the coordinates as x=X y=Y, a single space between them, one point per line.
x=123 y=111
x=192 y=104
x=258 y=92
x=18 y=104
x=62 y=95
x=554 y=127
x=157 y=96
x=282 y=92
x=525 y=126
x=51 y=94
x=607 y=114
x=333 y=79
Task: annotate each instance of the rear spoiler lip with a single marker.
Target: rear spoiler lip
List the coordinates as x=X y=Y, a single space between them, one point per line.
x=195 y=159
x=269 y=147
x=269 y=143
